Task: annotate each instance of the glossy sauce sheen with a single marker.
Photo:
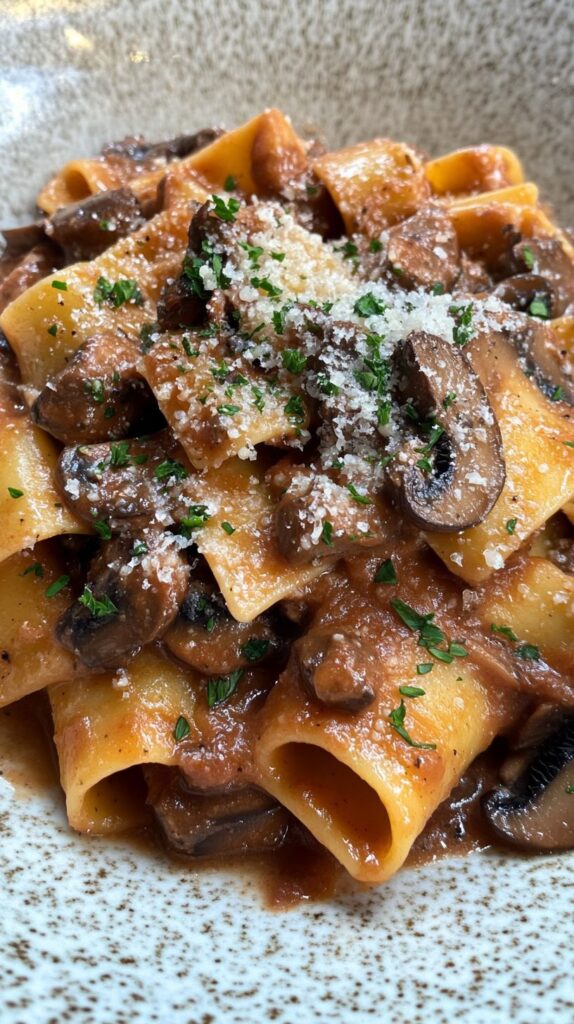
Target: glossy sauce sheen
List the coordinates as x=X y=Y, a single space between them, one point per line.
x=301 y=870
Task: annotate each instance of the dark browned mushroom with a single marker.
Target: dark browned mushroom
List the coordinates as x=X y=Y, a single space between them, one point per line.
x=536 y=809
x=540 y=354
x=135 y=147
x=98 y=396
x=133 y=592
x=317 y=518
x=422 y=251
x=545 y=261
x=214 y=823
x=20 y=271
x=85 y=229
x=127 y=483
x=457 y=489
x=337 y=670
x=206 y=637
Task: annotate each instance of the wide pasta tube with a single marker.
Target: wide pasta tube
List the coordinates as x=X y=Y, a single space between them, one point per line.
x=105 y=725
x=359 y=787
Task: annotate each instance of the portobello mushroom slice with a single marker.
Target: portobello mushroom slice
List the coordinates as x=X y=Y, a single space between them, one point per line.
x=128 y=483
x=451 y=482
x=85 y=229
x=317 y=518
x=98 y=396
x=213 y=823
x=336 y=670
x=536 y=809
x=20 y=271
x=206 y=637
x=132 y=594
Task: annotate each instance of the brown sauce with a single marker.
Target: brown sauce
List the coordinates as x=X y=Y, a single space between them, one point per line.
x=300 y=871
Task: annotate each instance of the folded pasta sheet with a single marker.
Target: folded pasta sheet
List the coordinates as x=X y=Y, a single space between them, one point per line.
x=31 y=509
x=106 y=724
x=49 y=321
x=362 y=788
x=537 y=436
x=239 y=544
x=33 y=594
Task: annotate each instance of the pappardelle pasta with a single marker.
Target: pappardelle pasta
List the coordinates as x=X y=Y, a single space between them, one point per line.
x=287 y=485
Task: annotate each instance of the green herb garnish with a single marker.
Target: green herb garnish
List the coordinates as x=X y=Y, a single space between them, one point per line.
x=221 y=688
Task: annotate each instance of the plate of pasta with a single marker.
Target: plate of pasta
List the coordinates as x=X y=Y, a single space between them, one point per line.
x=286 y=577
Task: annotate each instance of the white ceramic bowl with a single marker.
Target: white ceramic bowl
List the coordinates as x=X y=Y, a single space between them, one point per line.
x=99 y=931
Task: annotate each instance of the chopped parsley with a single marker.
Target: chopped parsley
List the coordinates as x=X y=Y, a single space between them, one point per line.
x=60 y=285
x=255 y=252
x=197 y=516
x=437 y=288
x=170 y=469
x=120 y=455
x=254 y=649
x=504 y=631
x=397 y=719
x=225 y=210
x=293 y=360
x=326 y=386
x=36 y=569
x=361 y=499
x=386 y=573
x=190 y=352
x=57 y=586
x=118 y=293
x=227 y=528
x=569 y=789
x=228 y=410
x=558 y=394
x=295 y=409
x=95 y=388
x=103 y=529
x=569 y=444
x=221 y=688
x=424 y=668
x=181 y=729
x=411 y=691
x=279 y=318
x=369 y=305
x=463 y=330
x=140 y=548
x=99 y=609
x=327 y=533
x=15 y=492
x=265 y=285
x=539 y=308
x=528 y=257
x=349 y=250
x=53 y=330
x=375 y=245
x=511 y=525
x=146 y=332
x=448 y=400
x=528 y=652
x=430 y=635
x=278 y=256
x=230 y=183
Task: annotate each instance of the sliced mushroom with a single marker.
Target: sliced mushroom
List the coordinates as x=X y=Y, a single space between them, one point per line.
x=121 y=482
x=337 y=670
x=540 y=354
x=473 y=277
x=214 y=823
x=422 y=251
x=135 y=147
x=98 y=396
x=468 y=474
x=85 y=229
x=536 y=811
x=545 y=259
x=134 y=595
x=21 y=239
x=206 y=637
x=19 y=272
x=317 y=518
x=522 y=290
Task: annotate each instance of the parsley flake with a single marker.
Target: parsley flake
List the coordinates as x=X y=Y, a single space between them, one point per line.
x=327 y=533
x=504 y=631
x=254 y=649
x=182 y=729
x=57 y=586
x=397 y=719
x=15 y=492
x=218 y=690
x=123 y=291
x=170 y=469
x=61 y=286
x=411 y=691
x=528 y=652
x=227 y=528
x=225 y=210
x=386 y=573
x=369 y=305
x=293 y=360
x=511 y=525
x=99 y=609
x=361 y=499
